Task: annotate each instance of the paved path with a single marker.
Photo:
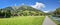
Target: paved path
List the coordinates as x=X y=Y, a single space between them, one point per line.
x=48 y=21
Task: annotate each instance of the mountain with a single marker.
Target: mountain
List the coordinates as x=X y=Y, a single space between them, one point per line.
x=28 y=8
x=24 y=10
x=8 y=8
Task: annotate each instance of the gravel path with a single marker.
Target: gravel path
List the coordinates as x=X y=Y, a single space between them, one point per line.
x=48 y=21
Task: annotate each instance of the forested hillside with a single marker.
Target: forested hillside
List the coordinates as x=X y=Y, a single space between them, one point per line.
x=57 y=12
x=20 y=11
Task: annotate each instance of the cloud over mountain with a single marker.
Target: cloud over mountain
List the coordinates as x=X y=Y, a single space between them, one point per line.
x=46 y=11
x=38 y=5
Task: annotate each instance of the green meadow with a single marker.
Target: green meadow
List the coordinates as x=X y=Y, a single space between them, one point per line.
x=22 y=20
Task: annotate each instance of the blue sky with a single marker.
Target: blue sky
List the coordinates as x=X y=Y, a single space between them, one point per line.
x=49 y=4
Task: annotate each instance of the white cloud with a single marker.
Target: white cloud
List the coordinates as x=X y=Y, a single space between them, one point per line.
x=46 y=11
x=38 y=5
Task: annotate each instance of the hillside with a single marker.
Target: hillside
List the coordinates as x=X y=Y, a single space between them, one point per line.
x=21 y=11
x=27 y=10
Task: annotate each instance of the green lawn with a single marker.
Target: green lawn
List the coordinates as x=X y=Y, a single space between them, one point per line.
x=22 y=20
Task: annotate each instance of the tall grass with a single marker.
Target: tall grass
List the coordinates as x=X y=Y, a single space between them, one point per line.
x=29 y=20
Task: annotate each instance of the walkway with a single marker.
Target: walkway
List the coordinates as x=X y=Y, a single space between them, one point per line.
x=48 y=21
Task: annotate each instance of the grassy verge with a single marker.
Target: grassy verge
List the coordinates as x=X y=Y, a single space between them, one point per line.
x=23 y=20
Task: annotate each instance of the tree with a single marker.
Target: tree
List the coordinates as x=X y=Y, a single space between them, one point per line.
x=8 y=13
x=57 y=12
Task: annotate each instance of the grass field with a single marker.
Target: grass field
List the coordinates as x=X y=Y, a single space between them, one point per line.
x=22 y=20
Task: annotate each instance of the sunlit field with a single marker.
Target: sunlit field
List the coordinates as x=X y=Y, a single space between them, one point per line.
x=22 y=20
